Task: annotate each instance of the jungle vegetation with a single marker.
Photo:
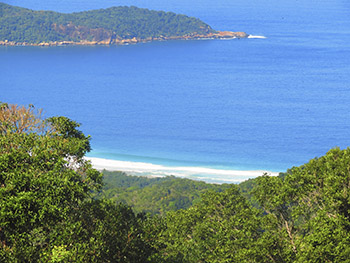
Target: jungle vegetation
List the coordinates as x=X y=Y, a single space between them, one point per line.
x=49 y=211
x=154 y=195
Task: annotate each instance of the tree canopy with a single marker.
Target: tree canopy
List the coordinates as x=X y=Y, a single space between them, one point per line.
x=46 y=212
x=308 y=210
x=154 y=195
x=49 y=211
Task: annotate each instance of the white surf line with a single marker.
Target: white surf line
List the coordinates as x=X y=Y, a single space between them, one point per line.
x=261 y=37
x=182 y=171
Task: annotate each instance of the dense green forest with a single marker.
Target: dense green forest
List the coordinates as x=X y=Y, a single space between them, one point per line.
x=112 y=24
x=54 y=207
x=154 y=195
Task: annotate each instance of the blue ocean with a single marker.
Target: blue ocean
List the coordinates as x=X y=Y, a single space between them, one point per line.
x=244 y=104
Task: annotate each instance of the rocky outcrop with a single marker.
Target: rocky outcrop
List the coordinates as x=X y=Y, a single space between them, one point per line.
x=103 y=37
x=229 y=34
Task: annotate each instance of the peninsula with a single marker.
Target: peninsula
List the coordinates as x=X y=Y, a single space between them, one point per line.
x=115 y=25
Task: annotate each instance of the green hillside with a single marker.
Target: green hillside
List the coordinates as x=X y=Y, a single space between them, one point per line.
x=110 y=25
x=154 y=195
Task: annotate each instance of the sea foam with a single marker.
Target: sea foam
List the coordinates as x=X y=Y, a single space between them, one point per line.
x=252 y=36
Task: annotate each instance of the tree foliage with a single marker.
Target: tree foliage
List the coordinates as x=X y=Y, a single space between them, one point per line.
x=154 y=195
x=19 y=119
x=223 y=227
x=302 y=216
x=47 y=213
x=308 y=210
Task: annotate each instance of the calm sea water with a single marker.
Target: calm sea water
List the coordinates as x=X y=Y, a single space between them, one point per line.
x=249 y=104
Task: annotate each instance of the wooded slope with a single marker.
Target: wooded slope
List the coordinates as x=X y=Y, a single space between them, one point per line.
x=110 y=25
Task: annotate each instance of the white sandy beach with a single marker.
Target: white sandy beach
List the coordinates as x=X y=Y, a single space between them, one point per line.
x=197 y=173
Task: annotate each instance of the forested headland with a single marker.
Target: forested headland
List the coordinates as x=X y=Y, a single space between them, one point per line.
x=54 y=207
x=115 y=25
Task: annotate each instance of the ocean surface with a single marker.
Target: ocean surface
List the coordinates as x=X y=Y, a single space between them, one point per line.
x=217 y=105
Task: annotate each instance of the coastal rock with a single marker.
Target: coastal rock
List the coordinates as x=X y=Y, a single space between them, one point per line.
x=229 y=34
x=120 y=41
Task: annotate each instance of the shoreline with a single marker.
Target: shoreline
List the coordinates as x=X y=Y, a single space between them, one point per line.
x=118 y=41
x=209 y=175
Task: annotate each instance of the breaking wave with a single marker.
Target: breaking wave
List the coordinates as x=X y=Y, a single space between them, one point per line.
x=252 y=36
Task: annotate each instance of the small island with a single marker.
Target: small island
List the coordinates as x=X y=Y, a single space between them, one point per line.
x=112 y=26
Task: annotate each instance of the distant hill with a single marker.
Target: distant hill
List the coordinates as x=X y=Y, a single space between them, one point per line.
x=115 y=25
